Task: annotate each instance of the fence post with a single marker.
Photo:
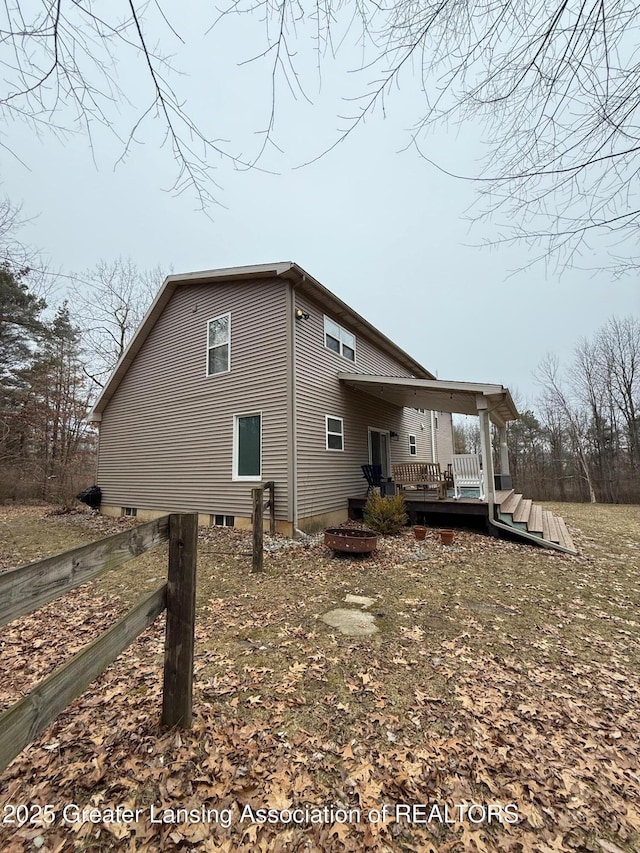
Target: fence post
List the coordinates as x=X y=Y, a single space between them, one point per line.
x=258 y=532
x=272 y=507
x=181 y=609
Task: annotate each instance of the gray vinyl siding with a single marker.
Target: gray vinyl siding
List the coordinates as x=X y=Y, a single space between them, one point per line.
x=444 y=438
x=327 y=478
x=166 y=436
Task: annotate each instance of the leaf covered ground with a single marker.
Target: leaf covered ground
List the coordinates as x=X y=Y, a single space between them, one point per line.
x=496 y=709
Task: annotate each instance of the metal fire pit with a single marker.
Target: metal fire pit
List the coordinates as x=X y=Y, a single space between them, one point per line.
x=350 y=540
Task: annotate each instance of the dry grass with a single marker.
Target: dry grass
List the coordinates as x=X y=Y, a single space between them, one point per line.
x=500 y=673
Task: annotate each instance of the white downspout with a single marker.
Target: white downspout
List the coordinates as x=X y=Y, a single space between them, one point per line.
x=434 y=443
x=293 y=422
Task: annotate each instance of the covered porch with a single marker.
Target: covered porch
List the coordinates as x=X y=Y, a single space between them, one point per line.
x=491 y=403
x=497 y=500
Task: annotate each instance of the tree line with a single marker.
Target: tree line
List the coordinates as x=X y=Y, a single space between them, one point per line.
x=53 y=362
x=580 y=439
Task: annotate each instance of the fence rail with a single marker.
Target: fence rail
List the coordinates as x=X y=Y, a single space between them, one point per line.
x=28 y=588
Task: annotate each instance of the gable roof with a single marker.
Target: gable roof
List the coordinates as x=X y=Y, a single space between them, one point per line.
x=288 y=270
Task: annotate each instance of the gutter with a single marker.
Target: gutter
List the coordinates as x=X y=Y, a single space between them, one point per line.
x=554 y=546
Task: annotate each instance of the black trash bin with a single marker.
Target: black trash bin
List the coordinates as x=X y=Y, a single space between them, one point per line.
x=91 y=497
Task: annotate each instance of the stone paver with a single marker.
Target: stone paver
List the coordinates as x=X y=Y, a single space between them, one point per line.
x=353 y=622
x=362 y=600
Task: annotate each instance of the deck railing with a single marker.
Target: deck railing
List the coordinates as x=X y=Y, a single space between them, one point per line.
x=29 y=587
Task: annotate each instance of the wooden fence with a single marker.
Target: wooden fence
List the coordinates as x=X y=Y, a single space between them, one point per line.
x=27 y=588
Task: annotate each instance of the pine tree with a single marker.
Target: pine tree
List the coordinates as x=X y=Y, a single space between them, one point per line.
x=55 y=402
x=20 y=326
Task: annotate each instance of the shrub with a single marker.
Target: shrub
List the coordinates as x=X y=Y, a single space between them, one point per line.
x=385 y=515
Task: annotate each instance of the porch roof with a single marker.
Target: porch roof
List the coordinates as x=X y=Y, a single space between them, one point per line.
x=436 y=395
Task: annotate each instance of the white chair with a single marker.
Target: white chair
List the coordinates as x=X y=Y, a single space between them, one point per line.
x=467 y=473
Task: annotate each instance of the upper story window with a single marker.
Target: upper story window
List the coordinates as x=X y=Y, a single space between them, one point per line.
x=339 y=340
x=219 y=345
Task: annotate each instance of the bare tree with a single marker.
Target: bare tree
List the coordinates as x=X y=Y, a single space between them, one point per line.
x=589 y=379
x=558 y=401
x=555 y=85
x=109 y=304
x=14 y=255
x=60 y=65
x=619 y=351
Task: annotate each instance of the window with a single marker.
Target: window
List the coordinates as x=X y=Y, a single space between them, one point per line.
x=129 y=511
x=219 y=345
x=339 y=340
x=335 y=433
x=247 y=447
x=412 y=445
x=222 y=520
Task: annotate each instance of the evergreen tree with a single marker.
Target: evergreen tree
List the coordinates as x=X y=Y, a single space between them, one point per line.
x=55 y=402
x=20 y=326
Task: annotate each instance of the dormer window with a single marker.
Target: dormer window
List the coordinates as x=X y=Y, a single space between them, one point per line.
x=339 y=340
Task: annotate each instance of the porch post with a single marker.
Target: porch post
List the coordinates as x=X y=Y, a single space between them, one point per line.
x=504 y=450
x=485 y=447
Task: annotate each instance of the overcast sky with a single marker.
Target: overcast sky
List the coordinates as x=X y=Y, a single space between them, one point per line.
x=381 y=228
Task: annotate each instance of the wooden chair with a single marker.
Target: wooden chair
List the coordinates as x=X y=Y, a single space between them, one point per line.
x=373 y=474
x=467 y=473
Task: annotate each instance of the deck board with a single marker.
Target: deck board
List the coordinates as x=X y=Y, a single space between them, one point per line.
x=554 y=531
x=565 y=538
x=535 y=519
x=511 y=504
x=522 y=513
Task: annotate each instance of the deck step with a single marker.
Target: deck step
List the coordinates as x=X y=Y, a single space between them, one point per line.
x=550 y=530
x=511 y=504
x=521 y=514
x=565 y=538
x=523 y=511
x=534 y=525
x=554 y=530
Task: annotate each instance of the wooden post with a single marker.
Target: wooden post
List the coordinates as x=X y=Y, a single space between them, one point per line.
x=504 y=450
x=258 y=532
x=272 y=506
x=181 y=609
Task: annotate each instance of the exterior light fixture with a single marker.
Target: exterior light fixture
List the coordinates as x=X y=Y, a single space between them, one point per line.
x=394 y=435
x=301 y=315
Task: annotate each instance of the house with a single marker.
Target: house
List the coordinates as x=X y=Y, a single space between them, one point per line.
x=250 y=374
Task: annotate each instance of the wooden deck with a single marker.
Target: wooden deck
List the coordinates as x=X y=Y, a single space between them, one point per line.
x=513 y=514
x=423 y=503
